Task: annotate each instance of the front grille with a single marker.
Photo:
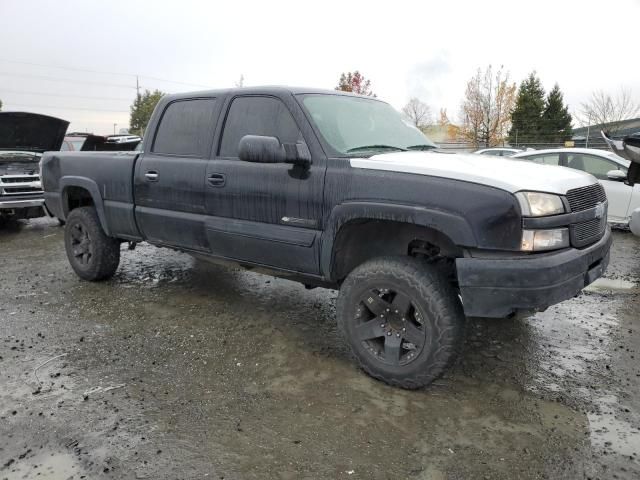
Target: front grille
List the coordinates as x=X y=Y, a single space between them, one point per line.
x=584 y=198
x=7 y=179
x=20 y=184
x=18 y=190
x=587 y=232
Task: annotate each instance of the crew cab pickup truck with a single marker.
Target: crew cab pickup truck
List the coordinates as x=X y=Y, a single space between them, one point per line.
x=336 y=190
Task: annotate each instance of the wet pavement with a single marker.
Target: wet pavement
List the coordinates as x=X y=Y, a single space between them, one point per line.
x=177 y=369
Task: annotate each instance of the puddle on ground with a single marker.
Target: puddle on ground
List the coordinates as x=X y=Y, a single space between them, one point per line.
x=45 y=466
x=610 y=284
x=610 y=433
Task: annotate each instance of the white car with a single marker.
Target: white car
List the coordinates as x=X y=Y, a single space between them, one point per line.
x=609 y=168
x=498 y=151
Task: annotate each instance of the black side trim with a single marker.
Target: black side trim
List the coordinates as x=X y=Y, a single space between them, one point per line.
x=262 y=231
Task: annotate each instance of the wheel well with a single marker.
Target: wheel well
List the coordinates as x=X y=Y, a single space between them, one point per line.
x=75 y=197
x=360 y=240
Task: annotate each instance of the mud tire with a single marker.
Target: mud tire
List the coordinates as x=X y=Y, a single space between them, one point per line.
x=430 y=294
x=102 y=255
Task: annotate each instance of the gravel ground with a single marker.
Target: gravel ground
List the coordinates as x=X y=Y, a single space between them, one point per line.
x=177 y=369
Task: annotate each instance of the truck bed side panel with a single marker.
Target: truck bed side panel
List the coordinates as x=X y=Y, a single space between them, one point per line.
x=108 y=178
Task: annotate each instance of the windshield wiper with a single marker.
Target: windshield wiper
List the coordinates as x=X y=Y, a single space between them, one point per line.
x=376 y=147
x=423 y=147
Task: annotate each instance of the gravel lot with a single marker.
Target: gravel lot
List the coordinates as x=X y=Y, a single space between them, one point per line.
x=177 y=369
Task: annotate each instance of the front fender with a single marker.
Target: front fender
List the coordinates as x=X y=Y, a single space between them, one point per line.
x=452 y=225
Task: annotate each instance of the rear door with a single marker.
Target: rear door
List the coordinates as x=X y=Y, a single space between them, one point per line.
x=170 y=176
x=269 y=214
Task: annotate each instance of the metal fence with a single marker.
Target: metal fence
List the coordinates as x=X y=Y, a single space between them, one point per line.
x=469 y=147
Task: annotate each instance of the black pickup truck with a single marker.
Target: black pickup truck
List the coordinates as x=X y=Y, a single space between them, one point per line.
x=338 y=191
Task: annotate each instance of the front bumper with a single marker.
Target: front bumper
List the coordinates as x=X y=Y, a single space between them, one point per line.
x=15 y=203
x=498 y=286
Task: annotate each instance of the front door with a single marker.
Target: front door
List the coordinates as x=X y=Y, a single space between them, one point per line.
x=169 y=178
x=267 y=214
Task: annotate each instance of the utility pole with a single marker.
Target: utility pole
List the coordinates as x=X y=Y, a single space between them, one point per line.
x=586 y=145
x=114 y=128
x=137 y=87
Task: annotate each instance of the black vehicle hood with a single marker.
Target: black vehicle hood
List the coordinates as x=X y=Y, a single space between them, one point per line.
x=31 y=132
x=629 y=148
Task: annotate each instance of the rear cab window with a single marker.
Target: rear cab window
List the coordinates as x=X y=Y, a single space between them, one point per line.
x=185 y=128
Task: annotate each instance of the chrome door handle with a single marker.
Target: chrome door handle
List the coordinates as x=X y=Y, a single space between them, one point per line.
x=151 y=175
x=216 y=180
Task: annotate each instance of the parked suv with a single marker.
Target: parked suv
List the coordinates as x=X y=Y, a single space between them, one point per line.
x=335 y=190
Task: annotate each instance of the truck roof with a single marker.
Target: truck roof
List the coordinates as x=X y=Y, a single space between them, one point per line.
x=264 y=90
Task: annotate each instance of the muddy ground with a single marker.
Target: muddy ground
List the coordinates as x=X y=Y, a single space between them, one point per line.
x=177 y=369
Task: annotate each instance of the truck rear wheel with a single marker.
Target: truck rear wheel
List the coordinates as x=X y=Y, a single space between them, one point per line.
x=402 y=319
x=92 y=254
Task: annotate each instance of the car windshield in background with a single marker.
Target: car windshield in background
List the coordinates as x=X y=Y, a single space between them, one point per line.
x=77 y=144
x=356 y=126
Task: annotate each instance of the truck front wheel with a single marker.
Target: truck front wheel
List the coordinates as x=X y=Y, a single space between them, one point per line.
x=92 y=254
x=402 y=319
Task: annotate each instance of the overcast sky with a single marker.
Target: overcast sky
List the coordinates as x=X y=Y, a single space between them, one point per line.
x=405 y=48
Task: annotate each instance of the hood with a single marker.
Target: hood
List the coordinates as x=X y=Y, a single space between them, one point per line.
x=500 y=172
x=31 y=132
x=629 y=148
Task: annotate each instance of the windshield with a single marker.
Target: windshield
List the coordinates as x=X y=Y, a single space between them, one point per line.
x=356 y=126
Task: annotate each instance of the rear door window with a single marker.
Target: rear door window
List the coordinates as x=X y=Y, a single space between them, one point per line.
x=266 y=116
x=185 y=128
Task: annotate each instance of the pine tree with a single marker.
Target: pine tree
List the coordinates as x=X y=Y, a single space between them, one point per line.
x=141 y=110
x=526 y=118
x=556 y=119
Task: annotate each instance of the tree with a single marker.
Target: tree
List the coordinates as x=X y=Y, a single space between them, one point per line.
x=486 y=107
x=418 y=112
x=0 y=105
x=451 y=131
x=607 y=112
x=556 y=119
x=240 y=82
x=141 y=110
x=356 y=83
x=526 y=118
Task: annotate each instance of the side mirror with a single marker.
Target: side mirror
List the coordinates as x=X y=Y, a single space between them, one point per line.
x=262 y=149
x=616 y=175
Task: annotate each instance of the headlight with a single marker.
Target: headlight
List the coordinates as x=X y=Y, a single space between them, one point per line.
x=540 y=240
x=536 y=204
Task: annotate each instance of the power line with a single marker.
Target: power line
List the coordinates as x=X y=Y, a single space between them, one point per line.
x=59 y=107
x=76 y=69
x=4 y=90
x=58 y=79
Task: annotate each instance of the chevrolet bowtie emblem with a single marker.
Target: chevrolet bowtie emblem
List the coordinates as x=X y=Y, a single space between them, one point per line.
x=600 y=210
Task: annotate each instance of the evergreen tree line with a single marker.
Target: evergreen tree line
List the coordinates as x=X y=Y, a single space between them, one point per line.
x=538 y=117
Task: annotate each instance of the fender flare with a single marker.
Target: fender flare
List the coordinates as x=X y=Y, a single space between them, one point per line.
x=453 y=225
x=92 y=187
